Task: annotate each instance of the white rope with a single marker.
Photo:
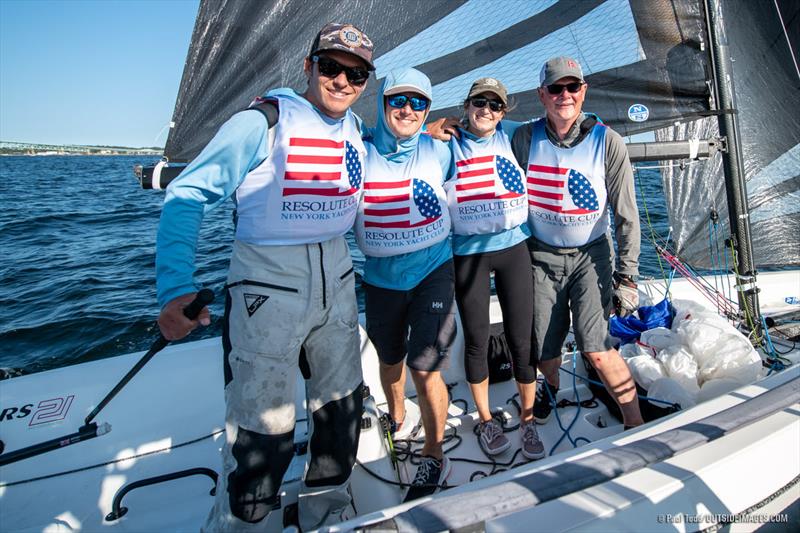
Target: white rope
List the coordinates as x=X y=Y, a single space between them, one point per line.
x=788 y=42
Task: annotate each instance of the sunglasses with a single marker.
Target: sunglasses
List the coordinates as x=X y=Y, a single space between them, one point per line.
x=480 y=103
x=399 y=101
x=330 y=69
x=557 y=88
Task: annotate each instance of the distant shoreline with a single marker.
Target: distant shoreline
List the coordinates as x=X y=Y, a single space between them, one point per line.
x=62 y=154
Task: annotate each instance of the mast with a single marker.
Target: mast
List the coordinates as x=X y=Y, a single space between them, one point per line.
x=733 y=167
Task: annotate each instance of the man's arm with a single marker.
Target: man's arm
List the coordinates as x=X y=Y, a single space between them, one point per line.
x=521 y=144
x=622 y=197
x=211 y=178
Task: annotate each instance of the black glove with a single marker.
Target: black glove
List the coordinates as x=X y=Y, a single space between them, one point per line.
x=626 y=295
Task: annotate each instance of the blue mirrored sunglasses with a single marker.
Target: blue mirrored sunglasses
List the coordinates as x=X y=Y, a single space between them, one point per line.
x=399 y=101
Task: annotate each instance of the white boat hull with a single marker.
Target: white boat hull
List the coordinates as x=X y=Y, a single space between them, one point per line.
x=170 y=417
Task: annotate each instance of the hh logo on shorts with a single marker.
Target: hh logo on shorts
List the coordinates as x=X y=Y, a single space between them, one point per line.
x=437 y=305
x=253 y=302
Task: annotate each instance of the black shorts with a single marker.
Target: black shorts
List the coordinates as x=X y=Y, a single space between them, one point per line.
x=419 y=323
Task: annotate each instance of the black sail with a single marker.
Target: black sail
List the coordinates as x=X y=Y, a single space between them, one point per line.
x=763 y=39
x=645 y=60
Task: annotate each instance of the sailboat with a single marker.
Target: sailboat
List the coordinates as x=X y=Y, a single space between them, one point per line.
x=712 y=82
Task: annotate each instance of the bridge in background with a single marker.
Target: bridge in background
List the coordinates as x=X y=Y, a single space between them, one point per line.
x=10 y=147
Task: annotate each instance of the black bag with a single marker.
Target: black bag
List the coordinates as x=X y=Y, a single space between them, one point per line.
x=498 y=355
x=648 y=410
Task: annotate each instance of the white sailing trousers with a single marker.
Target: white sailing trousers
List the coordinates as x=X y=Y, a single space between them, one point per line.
x=288 y=306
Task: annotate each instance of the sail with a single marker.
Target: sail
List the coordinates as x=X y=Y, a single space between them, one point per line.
x=763 y=39
x=646 y=61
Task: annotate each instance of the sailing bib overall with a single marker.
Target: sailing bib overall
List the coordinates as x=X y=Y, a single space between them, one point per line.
x=291 y=302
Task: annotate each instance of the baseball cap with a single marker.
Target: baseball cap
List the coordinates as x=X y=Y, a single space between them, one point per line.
x=408 y=88
x=489 y=85
x=556 y=68
x=345 y=38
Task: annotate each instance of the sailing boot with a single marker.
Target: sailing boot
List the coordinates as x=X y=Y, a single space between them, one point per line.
x=545 y=401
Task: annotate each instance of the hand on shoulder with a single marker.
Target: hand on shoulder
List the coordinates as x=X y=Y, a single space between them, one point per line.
x=443 y=129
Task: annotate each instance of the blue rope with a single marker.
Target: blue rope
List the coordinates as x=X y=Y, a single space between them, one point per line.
x=565 y=432
x=603 y=385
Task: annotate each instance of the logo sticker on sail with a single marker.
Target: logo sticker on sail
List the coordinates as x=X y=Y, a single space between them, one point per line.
x=253 y=302
x=638 y=113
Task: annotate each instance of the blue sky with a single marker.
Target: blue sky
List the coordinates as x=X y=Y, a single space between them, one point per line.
x=91 y=71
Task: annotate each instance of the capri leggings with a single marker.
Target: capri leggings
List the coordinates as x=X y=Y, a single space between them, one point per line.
x=514 y=285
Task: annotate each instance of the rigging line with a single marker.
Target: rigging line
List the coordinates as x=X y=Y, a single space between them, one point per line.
x=698 y=282
x=788 y=42
x=113 y=461
x=650 y=224
x=749 y=318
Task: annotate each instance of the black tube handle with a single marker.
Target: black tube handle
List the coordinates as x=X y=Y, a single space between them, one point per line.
x=202 y=299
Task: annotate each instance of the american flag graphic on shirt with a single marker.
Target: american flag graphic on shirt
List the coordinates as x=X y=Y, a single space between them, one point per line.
x=477 y=179
x=387 y=204
x=561 y=190
x=314 y=167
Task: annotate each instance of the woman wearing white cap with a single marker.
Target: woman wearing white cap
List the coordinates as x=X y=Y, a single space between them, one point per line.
x=489 y=209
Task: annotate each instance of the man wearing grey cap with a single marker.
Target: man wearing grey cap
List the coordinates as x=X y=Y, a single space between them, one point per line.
x=294 y=164
x=576 y=167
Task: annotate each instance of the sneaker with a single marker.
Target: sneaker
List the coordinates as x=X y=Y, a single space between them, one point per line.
x=543 y=406
x=431 y=476
x=491 y=438
x=532 y=447
x=405 y=430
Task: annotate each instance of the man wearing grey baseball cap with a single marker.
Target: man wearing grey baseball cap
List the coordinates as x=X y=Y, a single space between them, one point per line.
x=290 y=297
x=576 y=168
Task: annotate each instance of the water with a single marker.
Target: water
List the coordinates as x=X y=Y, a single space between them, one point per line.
x=78 y=279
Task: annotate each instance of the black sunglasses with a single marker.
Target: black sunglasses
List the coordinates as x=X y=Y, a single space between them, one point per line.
x=480 y=102
x=557 y=88
x=330 y=69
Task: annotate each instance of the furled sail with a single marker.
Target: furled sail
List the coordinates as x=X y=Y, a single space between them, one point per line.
x=644 y=59
x=763 y=39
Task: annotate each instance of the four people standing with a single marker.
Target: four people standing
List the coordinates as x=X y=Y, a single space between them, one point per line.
x=518 y=196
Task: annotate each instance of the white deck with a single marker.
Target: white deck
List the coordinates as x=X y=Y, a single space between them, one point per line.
x=170 y=417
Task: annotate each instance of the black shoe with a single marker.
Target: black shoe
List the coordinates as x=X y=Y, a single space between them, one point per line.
x=430 y=477
x=543 y=406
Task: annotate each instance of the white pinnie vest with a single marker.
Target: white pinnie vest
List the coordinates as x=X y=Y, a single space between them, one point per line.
x=487 y=194
x=307 y=189
x=404 y=206
x=567 y=197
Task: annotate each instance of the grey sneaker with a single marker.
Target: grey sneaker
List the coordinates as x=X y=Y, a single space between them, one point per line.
x=532 y=447
x=491 y=438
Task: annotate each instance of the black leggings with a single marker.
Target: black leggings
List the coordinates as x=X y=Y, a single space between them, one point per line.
x=514 y=284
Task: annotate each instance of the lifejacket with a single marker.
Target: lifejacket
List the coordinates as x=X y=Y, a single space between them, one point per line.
x=404 y=206
x=567 y=196
x=487 y=194
x=307 y=189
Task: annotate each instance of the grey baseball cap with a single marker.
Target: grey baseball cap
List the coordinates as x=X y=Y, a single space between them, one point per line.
x=344 y=38
x=556 y=68
x=489 y=85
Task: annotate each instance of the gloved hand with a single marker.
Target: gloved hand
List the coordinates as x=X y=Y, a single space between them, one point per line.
x=626 y=295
